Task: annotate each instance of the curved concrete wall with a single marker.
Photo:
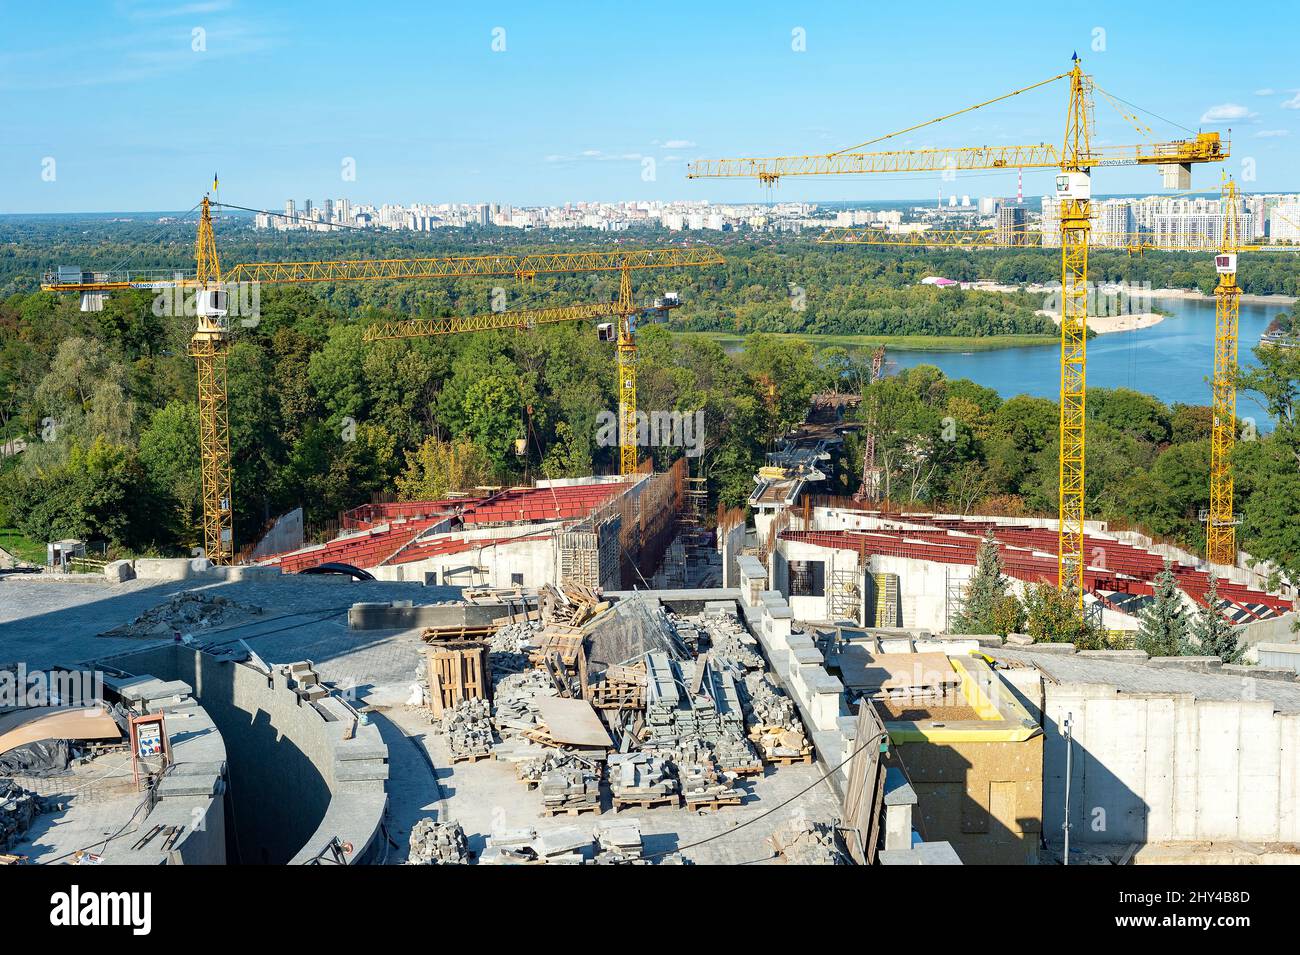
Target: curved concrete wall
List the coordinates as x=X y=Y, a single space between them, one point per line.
x=301 y=773
x=190 y=795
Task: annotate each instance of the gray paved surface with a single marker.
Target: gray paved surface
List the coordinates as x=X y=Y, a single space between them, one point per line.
x=1144 y=678
x=46 y=623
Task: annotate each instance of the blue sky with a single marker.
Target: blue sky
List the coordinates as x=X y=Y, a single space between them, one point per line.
x=281 y=94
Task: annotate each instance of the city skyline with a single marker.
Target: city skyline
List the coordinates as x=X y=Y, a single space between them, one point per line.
x=515 y=106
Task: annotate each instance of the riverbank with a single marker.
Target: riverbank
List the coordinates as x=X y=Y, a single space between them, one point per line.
x=1195 y=295
x=931 y=343
x=1106 y=324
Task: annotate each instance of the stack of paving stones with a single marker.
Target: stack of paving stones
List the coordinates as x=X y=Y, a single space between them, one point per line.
x=468 y=728
x=701 y=781
x=18 y=807
x=799 y=841
x=515 y=712
x=567 y=845
x=730 y=644
x=736 y=754
x=774 y=724
x=532 y=770
x=571 y=788
x=618 y=842
x=509 y=647
x=642 y=777
x=438 y=843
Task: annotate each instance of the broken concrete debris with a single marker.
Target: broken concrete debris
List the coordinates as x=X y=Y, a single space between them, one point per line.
x=438 y=843
x=800 y=841
x=184 y=613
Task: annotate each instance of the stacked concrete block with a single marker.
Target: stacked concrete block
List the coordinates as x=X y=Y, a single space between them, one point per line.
x=18 y=808
x=641 y=777
x=618 y=842
x=570 y=788
x=438 y=843
x=468 y=728
x=774 y=723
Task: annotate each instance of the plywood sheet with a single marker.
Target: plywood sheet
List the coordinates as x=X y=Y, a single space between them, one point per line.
x=573 y=722
x=70 y=722
x=863 y=670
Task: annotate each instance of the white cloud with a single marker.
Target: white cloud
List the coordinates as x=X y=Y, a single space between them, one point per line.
x=593 y=155
x=1272 y=133
x=1292 y=103
x=679 y=144
x=1226 y=113
x=1266 y=92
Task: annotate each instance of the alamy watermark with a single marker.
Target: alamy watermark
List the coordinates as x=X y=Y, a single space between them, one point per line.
x=1109 y=299
x=243 y=301
x=21 y=688
x=656 y=429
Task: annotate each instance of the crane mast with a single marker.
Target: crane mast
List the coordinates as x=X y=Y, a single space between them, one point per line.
x=210 y=343
x=1074 y=191
x=1220 y=524
x=1075 y=161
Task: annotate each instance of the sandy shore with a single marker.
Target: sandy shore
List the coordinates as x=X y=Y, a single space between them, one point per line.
x=1104 y=324
x=1179 y=293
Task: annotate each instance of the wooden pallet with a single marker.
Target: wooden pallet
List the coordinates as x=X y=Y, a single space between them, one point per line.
x=805 y=759
x=674 y=800
x=744 y=770
x=469 y=757
x=713 y=804
x=569 y=810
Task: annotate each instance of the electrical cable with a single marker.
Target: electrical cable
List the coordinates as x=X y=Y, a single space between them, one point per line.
x=781 y=805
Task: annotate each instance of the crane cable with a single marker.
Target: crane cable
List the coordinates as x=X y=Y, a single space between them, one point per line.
x=940 y=119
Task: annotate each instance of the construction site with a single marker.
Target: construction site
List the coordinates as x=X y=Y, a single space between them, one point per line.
x=608 y=670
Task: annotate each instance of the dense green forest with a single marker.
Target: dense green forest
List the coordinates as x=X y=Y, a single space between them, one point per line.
x=321 y=419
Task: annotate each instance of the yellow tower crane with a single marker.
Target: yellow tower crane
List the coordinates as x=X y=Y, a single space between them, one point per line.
x=1220 y=521
x=210 y=342
x=1074 y=161
x=624 y=337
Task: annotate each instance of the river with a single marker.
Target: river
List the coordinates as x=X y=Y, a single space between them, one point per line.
x=1172 y=360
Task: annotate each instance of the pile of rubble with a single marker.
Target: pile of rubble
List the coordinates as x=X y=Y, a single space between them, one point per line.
x=800 y=842
x=510 y=645
x=468 y=728
x=774 y=724
x=184 y=613
x=438 y=843
x=730 y=644
x=18 y=807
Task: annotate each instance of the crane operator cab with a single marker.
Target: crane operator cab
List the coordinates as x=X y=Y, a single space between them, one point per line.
x=606 y=332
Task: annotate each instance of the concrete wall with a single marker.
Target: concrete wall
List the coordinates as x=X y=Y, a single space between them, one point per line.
x=300 y=773
x=730 y=545
x=1154 y=767
x=491 y=566
x=191 y=795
